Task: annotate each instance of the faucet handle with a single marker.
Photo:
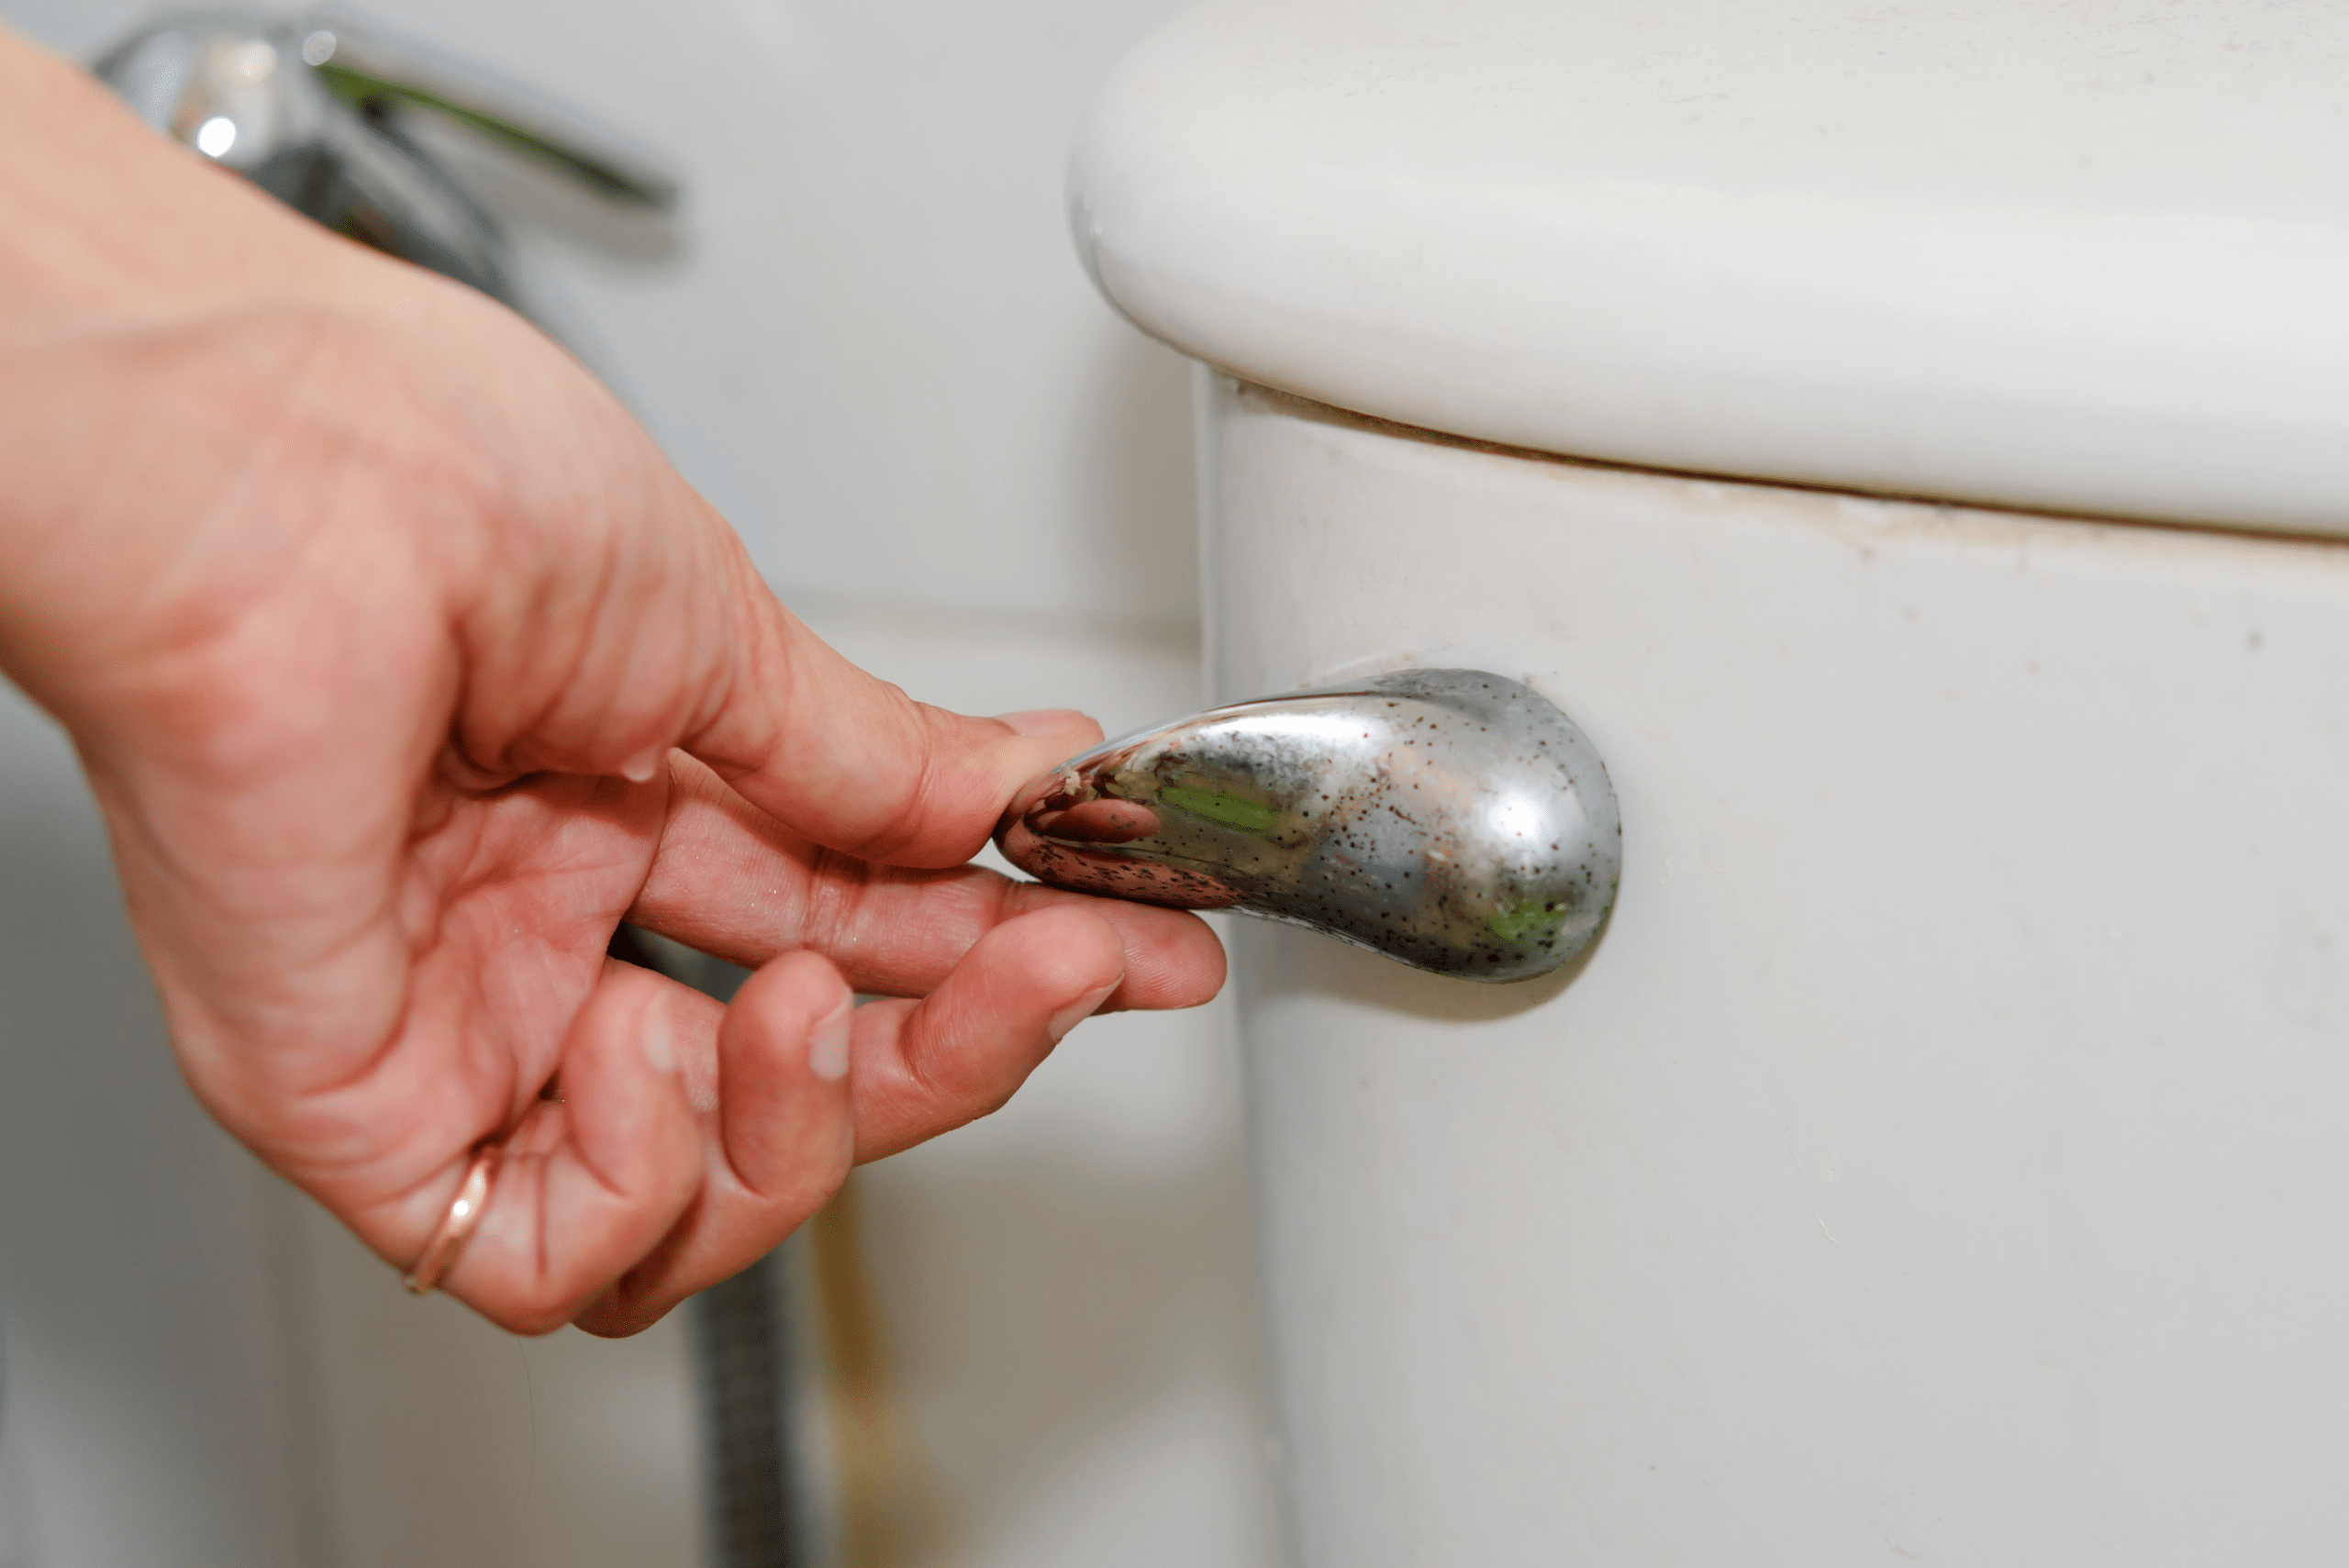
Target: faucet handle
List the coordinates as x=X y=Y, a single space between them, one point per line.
x=245 y=88
x=373 y=74
x=310 y=110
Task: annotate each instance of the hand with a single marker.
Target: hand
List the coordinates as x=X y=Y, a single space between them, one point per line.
x=404 y=667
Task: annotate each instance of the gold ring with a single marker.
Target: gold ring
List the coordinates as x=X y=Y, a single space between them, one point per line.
x=464 y=1213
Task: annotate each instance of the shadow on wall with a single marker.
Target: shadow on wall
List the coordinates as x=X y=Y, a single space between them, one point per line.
x=1090 y=1295
x=449 y=1441
x=1306 y=964
x=1137 y=481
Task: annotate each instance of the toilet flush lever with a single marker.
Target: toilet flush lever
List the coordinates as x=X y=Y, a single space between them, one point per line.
x=1452 y=819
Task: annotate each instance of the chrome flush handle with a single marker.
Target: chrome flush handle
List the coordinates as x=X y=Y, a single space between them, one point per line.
x=1452 y=819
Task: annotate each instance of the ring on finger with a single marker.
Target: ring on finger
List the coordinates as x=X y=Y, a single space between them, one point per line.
x=439 y=1254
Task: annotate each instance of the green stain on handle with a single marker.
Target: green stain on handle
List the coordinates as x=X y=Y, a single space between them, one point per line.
x=1228 y=809
x=1531 y=919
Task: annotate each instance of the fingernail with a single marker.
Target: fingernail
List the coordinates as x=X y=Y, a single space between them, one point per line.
x=658 y=1041
x=828 y=1043
x=640 y=768
x=1044 y=720
x=1076 y=1012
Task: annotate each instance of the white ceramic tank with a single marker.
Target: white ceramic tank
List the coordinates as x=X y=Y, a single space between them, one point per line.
x=1944 y=1154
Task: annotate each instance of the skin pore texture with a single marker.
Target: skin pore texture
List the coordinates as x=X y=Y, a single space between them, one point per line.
x=404 y=666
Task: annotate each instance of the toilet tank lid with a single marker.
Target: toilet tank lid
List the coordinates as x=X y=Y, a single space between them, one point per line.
x=2062 y=254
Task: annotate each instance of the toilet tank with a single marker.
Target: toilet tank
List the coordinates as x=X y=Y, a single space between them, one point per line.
x=1913 y=445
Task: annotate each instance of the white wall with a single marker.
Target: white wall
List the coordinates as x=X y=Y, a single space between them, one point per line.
x=866 y=338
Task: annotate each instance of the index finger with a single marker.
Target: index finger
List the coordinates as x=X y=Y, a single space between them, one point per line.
x=730 y=880
x=851 y=761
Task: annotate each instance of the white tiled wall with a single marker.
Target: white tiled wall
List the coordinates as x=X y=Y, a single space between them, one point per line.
x=867 y=340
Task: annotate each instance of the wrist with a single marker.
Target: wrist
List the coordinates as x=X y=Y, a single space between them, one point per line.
x=163 y=328
x=103 y=218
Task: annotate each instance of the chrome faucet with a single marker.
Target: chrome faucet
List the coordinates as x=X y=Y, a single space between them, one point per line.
x=316 y=112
